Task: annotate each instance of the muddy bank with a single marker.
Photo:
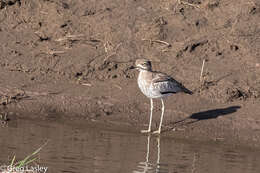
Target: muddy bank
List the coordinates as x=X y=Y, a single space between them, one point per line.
x=190 y=117
x=66 y=59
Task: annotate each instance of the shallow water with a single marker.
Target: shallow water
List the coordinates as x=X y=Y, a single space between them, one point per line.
x=77 y=148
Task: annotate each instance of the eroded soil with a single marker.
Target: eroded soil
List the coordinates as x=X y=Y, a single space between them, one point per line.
x=71 y=59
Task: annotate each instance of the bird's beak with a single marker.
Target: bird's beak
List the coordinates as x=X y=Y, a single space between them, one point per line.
x=133 y=67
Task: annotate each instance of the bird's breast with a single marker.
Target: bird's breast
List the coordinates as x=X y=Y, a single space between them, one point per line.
x=144 y=84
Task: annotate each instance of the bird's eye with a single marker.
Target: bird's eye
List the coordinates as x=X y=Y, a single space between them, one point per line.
x=147 y=63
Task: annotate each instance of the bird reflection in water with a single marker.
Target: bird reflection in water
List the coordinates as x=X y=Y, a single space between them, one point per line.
x=149 y=166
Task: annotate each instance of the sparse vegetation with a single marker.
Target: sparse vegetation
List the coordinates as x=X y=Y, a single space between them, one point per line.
x=22 y=165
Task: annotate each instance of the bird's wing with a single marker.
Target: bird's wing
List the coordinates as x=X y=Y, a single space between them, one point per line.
x=167 y=84
x=162 y=77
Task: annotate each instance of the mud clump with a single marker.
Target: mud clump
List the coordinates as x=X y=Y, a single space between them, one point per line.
x=5 y=3
x=10 y=96
x=239 y=94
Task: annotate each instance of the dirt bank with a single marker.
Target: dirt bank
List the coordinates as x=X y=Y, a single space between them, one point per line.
x=70 y=59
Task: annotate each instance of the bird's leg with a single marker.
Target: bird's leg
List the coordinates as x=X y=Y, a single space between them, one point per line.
x=158 y=152
x=151 y=117
x=160 y=125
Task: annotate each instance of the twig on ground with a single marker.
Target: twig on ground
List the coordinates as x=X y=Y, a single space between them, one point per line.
x=187 y=3
x=110 y=48
x=158 y=41
x=51 y=52
x=202 y=68
x=70 y=37
x=86 y=84
x=117 y=86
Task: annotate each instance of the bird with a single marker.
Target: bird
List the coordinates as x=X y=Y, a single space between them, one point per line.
x=154 y=84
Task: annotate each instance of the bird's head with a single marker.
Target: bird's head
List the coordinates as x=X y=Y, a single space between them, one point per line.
x=143 y=64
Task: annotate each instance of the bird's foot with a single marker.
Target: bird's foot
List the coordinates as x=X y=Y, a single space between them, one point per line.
x=145 y=131
x=157 y=132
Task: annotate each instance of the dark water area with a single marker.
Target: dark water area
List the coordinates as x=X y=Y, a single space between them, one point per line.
x=86 y=148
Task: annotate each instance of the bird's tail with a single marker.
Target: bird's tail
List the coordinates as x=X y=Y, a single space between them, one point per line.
x=185 y=90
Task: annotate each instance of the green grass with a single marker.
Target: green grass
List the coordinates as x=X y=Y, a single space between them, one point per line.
x=27 y=160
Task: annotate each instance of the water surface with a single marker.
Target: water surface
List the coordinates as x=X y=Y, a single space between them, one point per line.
x=79 y=148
